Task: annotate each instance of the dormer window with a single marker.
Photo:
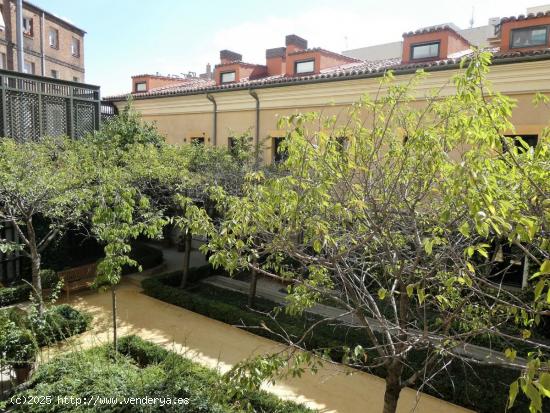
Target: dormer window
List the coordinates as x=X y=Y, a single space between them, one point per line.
x=529 y=37
x=305 y=66
x=141 y=87
x=227 y=77
x=425 y=51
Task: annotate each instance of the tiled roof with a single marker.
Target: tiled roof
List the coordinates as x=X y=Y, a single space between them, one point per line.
x=342 y=72
x=325 y=52
x=525 y=17
x=240 y=63
x=435 y=29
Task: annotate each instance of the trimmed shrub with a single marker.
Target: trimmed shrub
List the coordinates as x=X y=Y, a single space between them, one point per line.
x=158 y=373
x=58 y=323
x=14 y=294
x=482 y=388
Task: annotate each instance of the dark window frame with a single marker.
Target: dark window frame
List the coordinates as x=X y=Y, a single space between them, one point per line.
x=77 y=42
x=527 y=138
x=198 y=140
x=411 y=51
x=50 y=31
x=140 y=83
x=228 y=72
x=278 y=156
x=297 y=62
x=529 y=28
x=30 y=32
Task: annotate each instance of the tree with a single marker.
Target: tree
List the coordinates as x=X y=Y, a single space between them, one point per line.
x=392 y=215
x=40 y=180
x=120 y=212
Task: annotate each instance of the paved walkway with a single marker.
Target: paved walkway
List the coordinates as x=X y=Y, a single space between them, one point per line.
x=218 y=345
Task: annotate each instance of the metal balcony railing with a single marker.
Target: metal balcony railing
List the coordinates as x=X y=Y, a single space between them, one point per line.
x=36 y=106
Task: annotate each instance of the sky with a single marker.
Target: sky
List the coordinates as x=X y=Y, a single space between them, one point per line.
x=129 y=37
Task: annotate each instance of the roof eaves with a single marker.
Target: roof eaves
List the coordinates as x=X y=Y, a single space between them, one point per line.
x=358 y=73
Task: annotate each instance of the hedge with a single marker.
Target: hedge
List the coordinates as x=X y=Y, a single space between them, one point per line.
x=58 y=323
x=14 y=294
x=481 y=388
x=144 y=369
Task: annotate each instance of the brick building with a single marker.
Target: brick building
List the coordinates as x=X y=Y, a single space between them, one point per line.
x=245 y=96
x=53 y=47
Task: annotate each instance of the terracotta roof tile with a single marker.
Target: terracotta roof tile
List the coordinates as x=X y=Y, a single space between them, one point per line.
x=525 y=17
x=345 y=71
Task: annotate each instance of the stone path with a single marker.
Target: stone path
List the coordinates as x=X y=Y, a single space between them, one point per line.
x=220 y=346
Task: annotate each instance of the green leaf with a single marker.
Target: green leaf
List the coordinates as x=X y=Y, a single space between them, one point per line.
x=514 y=389
x=545 y=267
x=410 y=290
x=465 y=229
x=421 y=295
x=538 y=288
x=382 y=293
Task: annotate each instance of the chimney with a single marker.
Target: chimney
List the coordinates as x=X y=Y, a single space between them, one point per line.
x=227 y=56
x=275 y=61
x=295 y=43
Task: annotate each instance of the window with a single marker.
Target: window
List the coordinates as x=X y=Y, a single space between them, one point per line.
x=279 y=153
x=424 y=51
x=75 y=47
x=3 y=61
x=53 y=38
x=530 y=140
x=227 y=77
x=27 y=26
x=141 y=87
x=55 y=74
x=529 y=37
x=198 y=140
x=307 y=66
x=28 y=67
x=76 y=79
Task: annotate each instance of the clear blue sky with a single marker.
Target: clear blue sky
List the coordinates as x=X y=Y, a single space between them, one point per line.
x=126 y=37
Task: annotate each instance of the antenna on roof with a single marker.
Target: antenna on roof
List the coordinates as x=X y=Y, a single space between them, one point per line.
x=472 y=18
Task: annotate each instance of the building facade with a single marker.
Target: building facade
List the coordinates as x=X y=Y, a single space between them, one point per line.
x=252 y=97
x=53 y=47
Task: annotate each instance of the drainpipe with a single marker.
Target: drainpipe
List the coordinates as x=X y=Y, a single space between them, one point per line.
x=42 y=57
x=215 y=120
x=19 y=24
x=257 y=140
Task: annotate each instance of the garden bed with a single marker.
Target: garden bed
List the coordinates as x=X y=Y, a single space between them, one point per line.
x=481 y=388
x=142 y=370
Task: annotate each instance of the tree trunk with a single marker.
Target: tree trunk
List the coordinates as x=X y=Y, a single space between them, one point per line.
x=35 y=267
x=113 y=298
x=252 y=288
x=393 y=386
x=186 y=258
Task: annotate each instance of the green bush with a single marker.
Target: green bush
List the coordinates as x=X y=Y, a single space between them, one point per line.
x=58 y=323
x=482 y=388
x=49 y=279
x=145 y=369
x=14 y=294
x=17 y=345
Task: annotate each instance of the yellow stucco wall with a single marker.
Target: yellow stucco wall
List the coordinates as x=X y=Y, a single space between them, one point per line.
x=181 y=117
